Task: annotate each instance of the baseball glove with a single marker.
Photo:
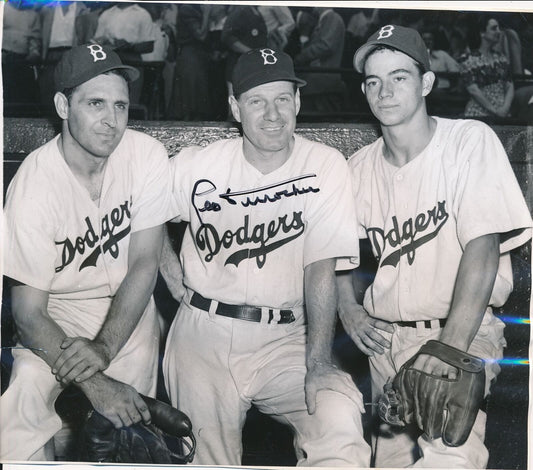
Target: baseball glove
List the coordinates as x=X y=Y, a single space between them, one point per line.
x=167 y=440
x=440 y=406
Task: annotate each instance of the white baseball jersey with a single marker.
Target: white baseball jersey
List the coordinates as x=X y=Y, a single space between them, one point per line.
x=420 y=217
x=251 y=235
x=58 y=240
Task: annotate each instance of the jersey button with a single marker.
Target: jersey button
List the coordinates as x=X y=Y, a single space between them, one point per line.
x=399 y=177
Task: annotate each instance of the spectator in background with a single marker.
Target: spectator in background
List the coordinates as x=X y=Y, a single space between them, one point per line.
x=60 y=33
x=21 y=42
x=218 y=92
x=244 y=30
x=305 y=22
x=485 y=72
x=439 y=61
x=324 y=92
x=129 y=30
x=358 y=28
x=279 y=23
x=190 y=95
x=152 y=94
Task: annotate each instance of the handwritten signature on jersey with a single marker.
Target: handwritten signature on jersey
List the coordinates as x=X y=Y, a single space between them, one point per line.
x=261 y=235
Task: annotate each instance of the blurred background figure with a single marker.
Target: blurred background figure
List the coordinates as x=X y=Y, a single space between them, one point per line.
x=244 y=30
x=279 y=23
x=324 y=92
x=129 y=30
x=218 y=91
x=439 y=61
x=60 y=27
x=190 y=94
x=21 y=45
x=486 y=72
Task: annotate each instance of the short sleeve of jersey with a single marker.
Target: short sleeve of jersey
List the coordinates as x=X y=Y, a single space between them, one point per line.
x=180 y=165
x=331 y=230
x=151 y=194
x=29 y=252
x=361 y=176
x=488 y=198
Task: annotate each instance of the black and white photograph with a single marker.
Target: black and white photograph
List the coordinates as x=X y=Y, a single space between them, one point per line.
x=252 y=234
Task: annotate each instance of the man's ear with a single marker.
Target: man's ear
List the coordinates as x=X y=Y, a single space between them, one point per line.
x=61 y=104
x=297 y=101
x=235 y=110
x=363 y=87
x=428 y=79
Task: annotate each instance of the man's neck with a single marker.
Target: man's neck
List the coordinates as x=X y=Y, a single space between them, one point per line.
x=266 y=162
x=404 y=143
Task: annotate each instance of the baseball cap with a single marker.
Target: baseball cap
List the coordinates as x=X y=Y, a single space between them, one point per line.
x=260 y=66
x=406 y=40
x=81 y=63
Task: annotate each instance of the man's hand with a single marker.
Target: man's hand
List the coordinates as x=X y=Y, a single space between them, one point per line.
x=118 y=402
x=326 y=376
x=80 y=359
x=365 y=331
x=434 y=366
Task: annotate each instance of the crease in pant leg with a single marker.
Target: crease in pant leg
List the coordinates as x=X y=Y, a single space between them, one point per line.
x=333 y=435
x=27 y=414
x=472 y=454
x=199 y=383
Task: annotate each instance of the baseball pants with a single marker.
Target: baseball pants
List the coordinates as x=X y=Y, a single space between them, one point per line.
x=406 y=447
x=216 y=368
x=27 y=414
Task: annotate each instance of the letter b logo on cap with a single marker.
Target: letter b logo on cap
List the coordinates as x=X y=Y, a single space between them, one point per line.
x=386 y=31
x=268 y=56
x=97 y=52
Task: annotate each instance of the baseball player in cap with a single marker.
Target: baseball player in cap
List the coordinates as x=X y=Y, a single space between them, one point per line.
x=268 y=214
x=82 y=241
x=441 y=207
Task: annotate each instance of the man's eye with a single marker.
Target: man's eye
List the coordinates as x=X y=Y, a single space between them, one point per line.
x=371 y=83
x=96 y=104
x=122 y=106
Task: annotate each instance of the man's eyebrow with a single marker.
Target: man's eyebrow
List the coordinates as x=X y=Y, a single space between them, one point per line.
x=396 y=71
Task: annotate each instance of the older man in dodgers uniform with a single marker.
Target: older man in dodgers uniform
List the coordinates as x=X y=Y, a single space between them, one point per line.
x=268 y=215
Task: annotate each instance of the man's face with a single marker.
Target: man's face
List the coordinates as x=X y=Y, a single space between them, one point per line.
x=268 y=115
x=98 y=114
x=393 y=86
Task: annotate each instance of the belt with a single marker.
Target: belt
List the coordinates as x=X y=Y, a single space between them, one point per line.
x=242 y=312
x=421 y=323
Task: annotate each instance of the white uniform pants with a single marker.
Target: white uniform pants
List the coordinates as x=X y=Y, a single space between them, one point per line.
x=215 y=368
x=27 y=414
x=407 y=448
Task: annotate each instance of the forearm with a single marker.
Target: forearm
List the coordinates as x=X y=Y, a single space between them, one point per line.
x=36 y=330
x=134 y=292
x=128 y=306
x=170 y=268
x=473 y=288
x=346 y=291
x=321 y=306
x=509 y=95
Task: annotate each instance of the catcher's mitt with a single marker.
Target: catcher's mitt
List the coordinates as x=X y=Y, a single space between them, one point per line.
x=167 y=440
x=440 y=406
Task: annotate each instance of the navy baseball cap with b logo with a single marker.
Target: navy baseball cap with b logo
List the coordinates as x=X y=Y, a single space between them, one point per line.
x=81 y=63
x=260 y=66
x=406 y=40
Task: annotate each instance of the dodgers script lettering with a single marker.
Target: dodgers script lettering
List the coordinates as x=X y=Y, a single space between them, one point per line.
x=414 y=231
x=109 y=223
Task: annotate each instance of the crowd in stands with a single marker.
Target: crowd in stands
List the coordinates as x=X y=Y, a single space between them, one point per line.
x=186 y=53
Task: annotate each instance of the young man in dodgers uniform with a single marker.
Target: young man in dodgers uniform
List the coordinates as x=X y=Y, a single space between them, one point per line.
x=83 y=235
x=441 y=206
x=268 y=215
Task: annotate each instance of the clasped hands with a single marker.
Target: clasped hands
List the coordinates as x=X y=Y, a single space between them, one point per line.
x=80 y=359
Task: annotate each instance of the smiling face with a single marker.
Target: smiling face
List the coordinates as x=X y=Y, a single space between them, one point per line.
x=96 y=114
x=394 y=87
x=268 y=116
